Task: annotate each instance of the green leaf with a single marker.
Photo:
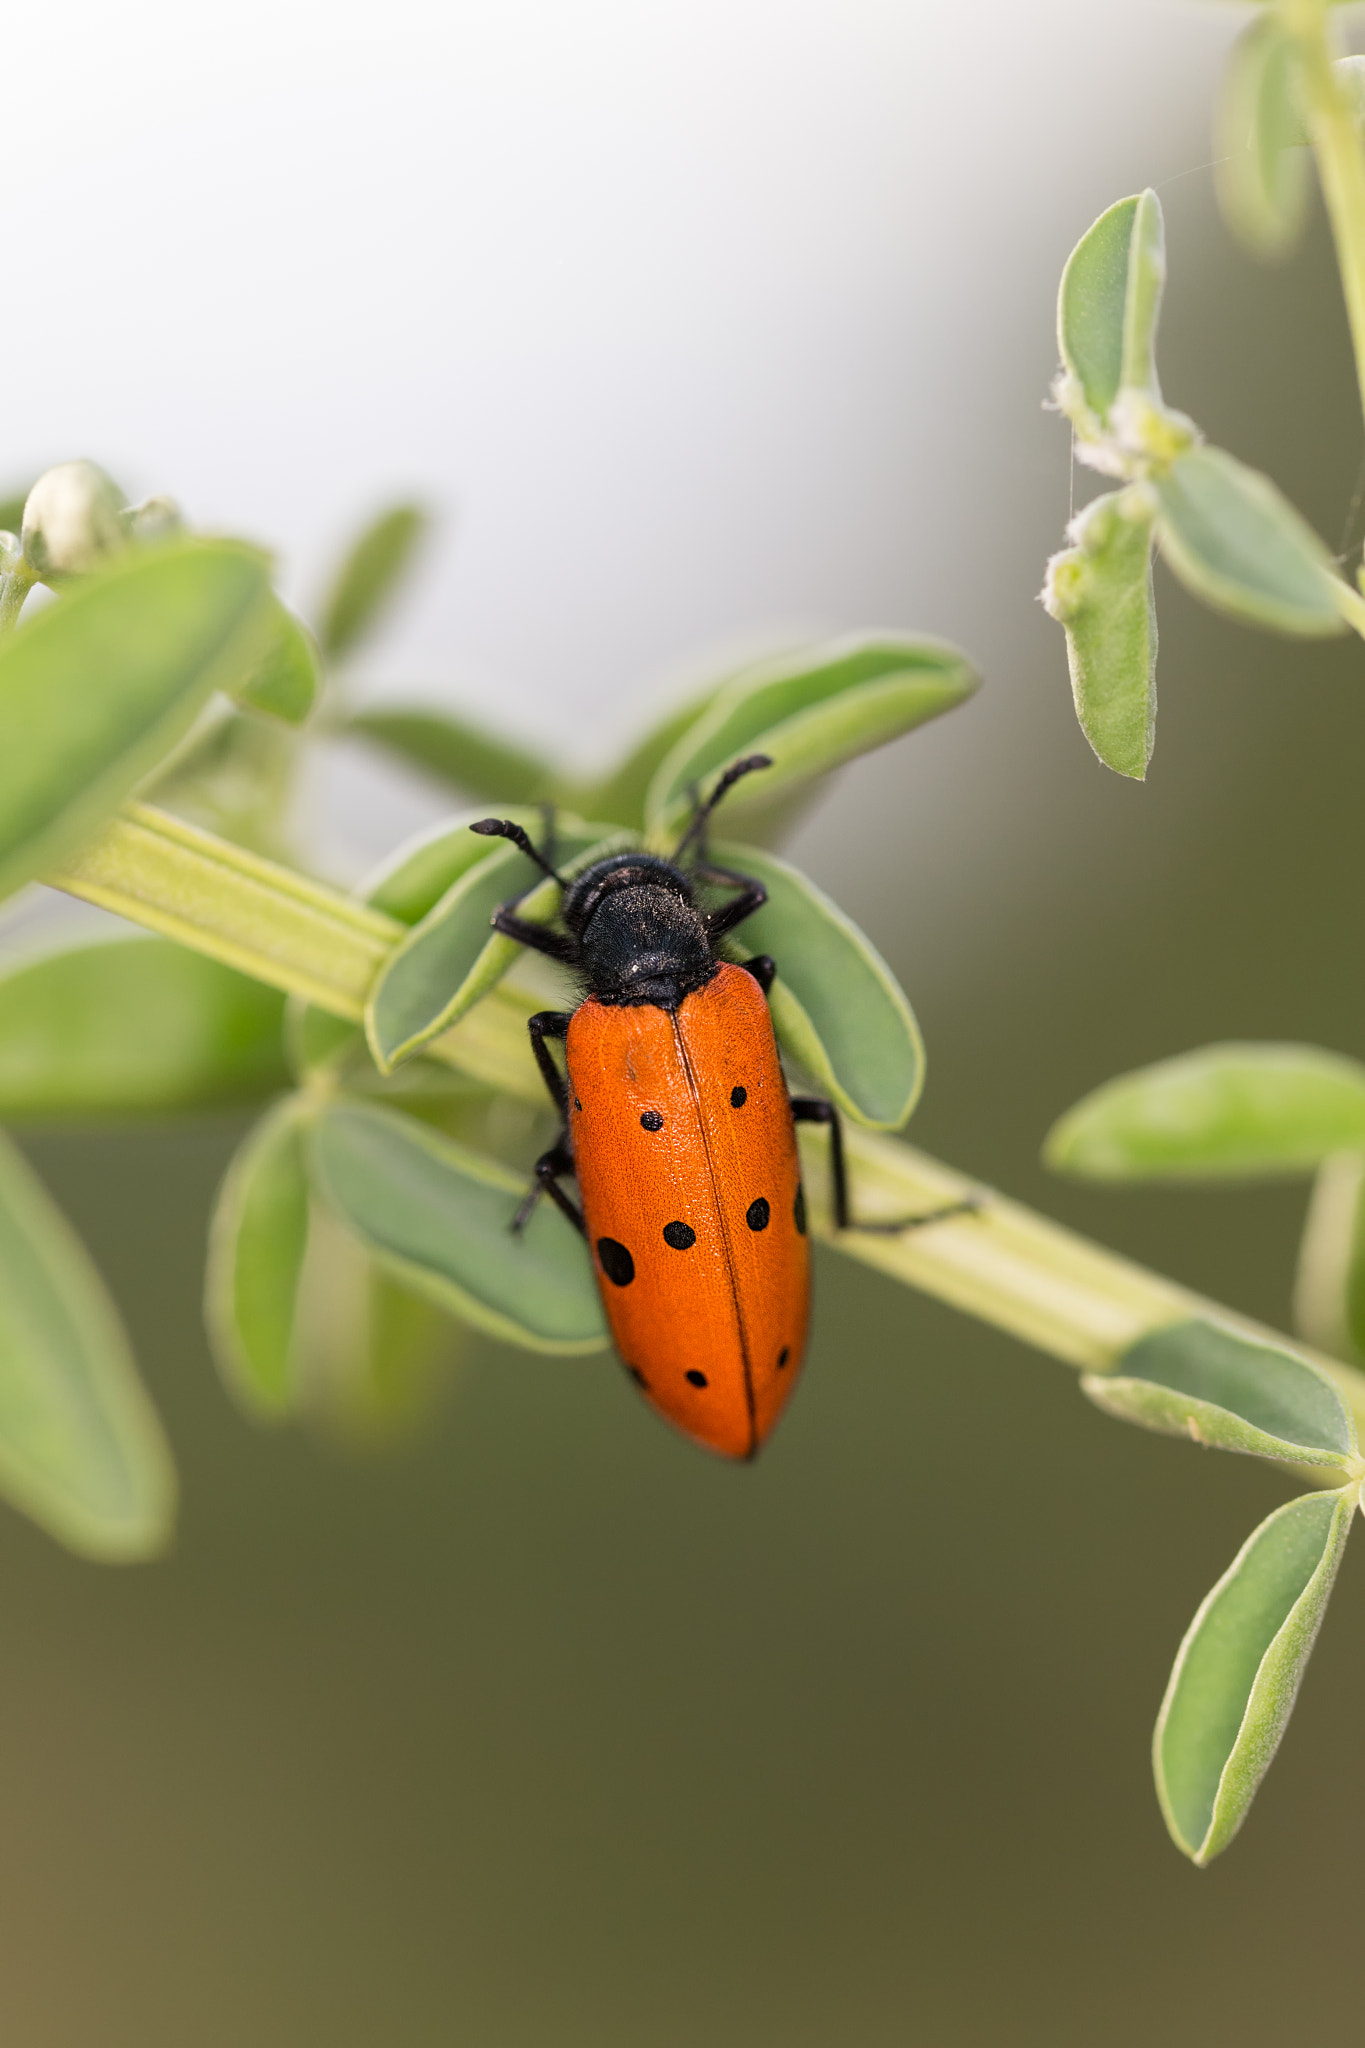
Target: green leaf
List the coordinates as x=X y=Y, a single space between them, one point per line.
x=130 y=1027
x=837 y=1008
x=412 y=880
x=81 y=1450
x=369 y=577
x=1225 y=1112
x=12 y=505
x=97 y=689
x=1236 y=541
x=257 y=1241
x=460 y=753
x=285 y=679
x=1239 y=1669
x=1329 y=1287
x=1100 y=591
x=621 y=796
x=1261 y=172
x=809 y=712
x=439 y=1217
x=1109 y=302
x=451 y=959
x=1206 y=1381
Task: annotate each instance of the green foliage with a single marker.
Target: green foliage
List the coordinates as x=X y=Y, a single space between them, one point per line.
x=438 y=1216
x=1226 y=1112
x=133 y=1027
x=257 y=1242
x=96 y=691
x=1329 y=1288
x=1108 y=307
x=1262 y=173
x=80 y=1448
x=1100 y=591
x=838 y=1010
x=464 y=755
x=288 y=676
x=1236 y=542
x=1210 y=1383
x=370 y=577
x=1240 y=1667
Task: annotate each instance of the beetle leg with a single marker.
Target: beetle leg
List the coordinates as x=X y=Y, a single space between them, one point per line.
x=813 y=1109
x=763 y=968
x=550 y=1024
x=536 y=936
x=549 y=1167
x=719 y=922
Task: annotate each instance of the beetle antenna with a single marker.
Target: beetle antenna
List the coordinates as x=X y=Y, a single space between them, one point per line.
x=733 y=774
x=504 y=828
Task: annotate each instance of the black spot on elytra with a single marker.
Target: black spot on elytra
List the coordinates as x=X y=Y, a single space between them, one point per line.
x=757 y=1214
x=783 y=1355
x=681 y=1236
x=577 y=1104
x=651 y=1121
x=697 y=1379
x=617 y=1263
x=799 y=1210
x=738 y=1097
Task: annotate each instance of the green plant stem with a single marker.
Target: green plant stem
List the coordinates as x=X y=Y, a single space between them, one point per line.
x=1330 y=117
x=1000 y=1262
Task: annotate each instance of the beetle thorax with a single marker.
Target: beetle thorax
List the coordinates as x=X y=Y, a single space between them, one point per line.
x=646 y=944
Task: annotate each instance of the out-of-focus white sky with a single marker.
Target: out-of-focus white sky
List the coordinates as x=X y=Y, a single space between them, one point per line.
x=703 y=323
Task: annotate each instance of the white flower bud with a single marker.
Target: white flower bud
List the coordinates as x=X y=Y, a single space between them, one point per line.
x=72 y=520
x=11 y=553
x=153 y=520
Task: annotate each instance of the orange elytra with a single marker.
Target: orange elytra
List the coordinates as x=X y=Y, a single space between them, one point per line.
x=680 y=1131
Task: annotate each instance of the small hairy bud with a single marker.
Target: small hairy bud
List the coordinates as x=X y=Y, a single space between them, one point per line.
x=153 y=520
x=72 y=520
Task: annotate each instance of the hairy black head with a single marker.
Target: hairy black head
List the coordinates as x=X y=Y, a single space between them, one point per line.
x=641 y=938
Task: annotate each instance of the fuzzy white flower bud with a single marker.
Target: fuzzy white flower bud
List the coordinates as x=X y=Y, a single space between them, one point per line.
x=153 y=520
x=72 y=520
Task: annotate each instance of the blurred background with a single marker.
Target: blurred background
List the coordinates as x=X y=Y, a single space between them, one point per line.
x=705 y=327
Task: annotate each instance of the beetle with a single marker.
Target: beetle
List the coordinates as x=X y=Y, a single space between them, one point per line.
x=677 y=1123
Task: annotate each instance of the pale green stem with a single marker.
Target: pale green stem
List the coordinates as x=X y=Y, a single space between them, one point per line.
x=1000 y=1262
x=1329 y=112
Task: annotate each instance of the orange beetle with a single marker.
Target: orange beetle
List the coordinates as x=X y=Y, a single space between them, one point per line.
x=681 y=1134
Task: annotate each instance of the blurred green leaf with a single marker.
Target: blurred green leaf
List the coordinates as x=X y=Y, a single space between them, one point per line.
x=460 y=753
x=257 y=1241
x=1100 y=591
x=100 y=686
x=1109 y=303
x=1203 y=1380
x=451 y=959
x=285 y=679
x=1236 y=542
x=129 y=1027
x=1329 y=1287
x=439 y=1217
x=414 y=878
x=81 y=1450
x=1262 y=174
x=621 y=797
x=369 y=577
x=1225 y=1112
x=1239 y=1669
x=809 y=712
x=838 y=1010
x=12 y=510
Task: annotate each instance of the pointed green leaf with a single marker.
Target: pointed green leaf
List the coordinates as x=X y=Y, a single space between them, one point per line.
x=1237 y=542
x=1329 y=1287
x=100 y=686
x=621 y=797
x=1239 y=1669
x=809 y=712
x=1109 y=303
x=1207 y=1381
x=257 y=1241
x=439 y=1217
x=1262 y=173
x=130 y=1027
x=369 y=577
x=81 y=1450
x=285 y=679
x=838 y=1010
x=412 y=880
x=458 y=752
x=1225 y=1112
x=1100 y=591
x=451 y=959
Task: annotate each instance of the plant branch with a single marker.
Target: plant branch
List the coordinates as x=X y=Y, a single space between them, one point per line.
x=1331 y=120
x=1002 y=1262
